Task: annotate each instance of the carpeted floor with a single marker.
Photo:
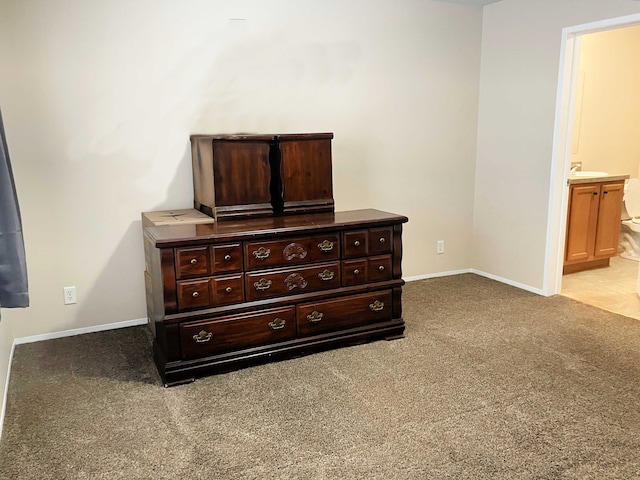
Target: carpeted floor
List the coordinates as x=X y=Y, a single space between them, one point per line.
x=490 y=382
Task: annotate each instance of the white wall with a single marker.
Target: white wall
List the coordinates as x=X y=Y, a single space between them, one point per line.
x=521 y=43
x=99 y=99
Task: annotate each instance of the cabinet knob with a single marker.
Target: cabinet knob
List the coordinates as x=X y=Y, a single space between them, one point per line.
x=193 y=261
x=357 y=243
x=228 y=289
x=195 y=294
x=227 y=257
x=356 y=271
x=595 y=193
x=382 y=240
x=606 y=191
x=381 y=268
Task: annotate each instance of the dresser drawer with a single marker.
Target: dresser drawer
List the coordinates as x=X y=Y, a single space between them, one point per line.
x=193 y=294
x=361 y=243
x=227 y=258
x=197 y=261
x=236 y=332
x=210 y=292
x=342 y=313
x=292 y=251
x=364 y=270
x=290 y=281
x=192 y=262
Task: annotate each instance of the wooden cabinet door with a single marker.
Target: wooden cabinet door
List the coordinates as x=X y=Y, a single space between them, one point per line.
x=609 y=215
x=581 y=222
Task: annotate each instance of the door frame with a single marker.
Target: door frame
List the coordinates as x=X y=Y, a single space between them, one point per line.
x=562 y=143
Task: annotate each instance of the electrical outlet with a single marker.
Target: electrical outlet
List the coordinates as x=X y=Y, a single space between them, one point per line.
x=70 y=295
x=440 y=246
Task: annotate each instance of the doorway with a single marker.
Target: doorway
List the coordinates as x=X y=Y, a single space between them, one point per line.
x=587 y=286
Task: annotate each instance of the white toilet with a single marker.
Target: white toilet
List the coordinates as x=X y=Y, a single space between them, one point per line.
x=630 y=228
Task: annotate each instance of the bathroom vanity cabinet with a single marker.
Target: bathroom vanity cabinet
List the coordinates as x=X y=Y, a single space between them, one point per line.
x=593 y=224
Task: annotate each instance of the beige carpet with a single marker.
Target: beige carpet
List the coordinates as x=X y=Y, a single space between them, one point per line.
x=490 y=382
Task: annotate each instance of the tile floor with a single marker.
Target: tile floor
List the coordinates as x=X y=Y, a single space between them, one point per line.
x=613 y=288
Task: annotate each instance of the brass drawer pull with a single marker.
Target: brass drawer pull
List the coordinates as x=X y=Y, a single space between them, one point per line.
x=382 y=240
x=262 y=284
x=326 y=275
x=227 y=257
x=376 y=306
x=314 y=317
x=326 y=246
x=381 y=268
x=228 y=289
x=195 y=294
x=356 y=272
x=193 y=261
x=261 y=253
x=357 y=243
x=203 y=337
x=277 y=324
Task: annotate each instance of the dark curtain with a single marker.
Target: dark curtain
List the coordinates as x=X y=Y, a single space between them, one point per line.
x=13 y=266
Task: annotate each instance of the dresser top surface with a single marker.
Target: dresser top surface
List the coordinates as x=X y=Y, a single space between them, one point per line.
x=175 y=235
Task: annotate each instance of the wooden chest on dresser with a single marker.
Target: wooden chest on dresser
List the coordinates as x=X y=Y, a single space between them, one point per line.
x=230 y=294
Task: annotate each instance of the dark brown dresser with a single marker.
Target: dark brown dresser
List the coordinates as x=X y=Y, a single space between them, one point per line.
x=230 y=294
x=263 y=268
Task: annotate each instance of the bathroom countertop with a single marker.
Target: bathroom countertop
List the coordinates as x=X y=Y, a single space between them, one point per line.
x=573 y=180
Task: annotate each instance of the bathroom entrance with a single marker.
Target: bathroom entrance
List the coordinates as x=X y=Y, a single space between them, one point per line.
x=602 y=134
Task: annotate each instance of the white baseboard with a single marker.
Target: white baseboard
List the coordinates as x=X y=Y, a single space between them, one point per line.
x=80 y=331
x=6 y=388
x=52 y=335
x=436 y=275
x=519 y=285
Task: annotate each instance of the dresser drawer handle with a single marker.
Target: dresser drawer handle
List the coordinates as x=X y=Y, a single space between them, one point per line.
x=195 y=294
x=382 y=240
x=381 y=268
x=277 y=324
x=261 y=253
x=203 y=337
x=262 y=284
x=228 y=289
x=193 y=261
x=326 y=275
x=326 y=246
x=356 y=272
x=314 y=317
x=357 y=243
x=227 y=257
x=376 y=306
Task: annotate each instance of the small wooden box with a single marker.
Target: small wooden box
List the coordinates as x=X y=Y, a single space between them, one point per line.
x=240 y=176
x=232 y=175
x=305 y=169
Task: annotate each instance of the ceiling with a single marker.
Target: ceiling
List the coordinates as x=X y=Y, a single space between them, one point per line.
x=477 y=3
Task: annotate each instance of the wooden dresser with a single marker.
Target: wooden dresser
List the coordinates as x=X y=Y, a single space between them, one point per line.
x=229 y=294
